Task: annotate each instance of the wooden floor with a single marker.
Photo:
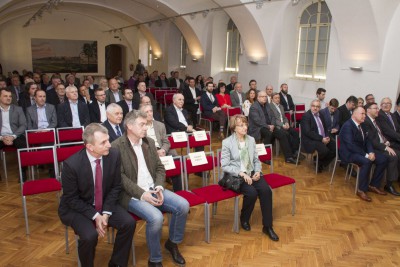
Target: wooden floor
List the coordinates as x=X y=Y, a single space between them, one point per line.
x=331 y=227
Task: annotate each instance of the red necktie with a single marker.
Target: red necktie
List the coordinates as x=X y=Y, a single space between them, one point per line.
x=98 y=188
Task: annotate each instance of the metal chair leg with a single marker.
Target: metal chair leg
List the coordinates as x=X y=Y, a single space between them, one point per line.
x=207 y=222
x=25 y=214
x=294 y=199
x=77 y=250
x=66 y=240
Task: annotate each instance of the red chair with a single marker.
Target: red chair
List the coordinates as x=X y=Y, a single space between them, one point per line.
x=212 y=193
x=167 y=100
x=268 y=157
x=175 y=145
x=69 y=134
x=231 y=112
x=337 y=159
x=39 y=156
x=192 y=143
x=314 y=153
x=205 y=119
x=3 y=151
x=300 y=107
x=64 y=151
x=40 y=137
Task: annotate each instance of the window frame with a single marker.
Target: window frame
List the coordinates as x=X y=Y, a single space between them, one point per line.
x=232 y=53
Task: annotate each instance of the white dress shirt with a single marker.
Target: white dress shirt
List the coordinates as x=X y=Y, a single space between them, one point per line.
x=75 y=114
x=102 y=107
x=181 y=117
x=42 y=118
x=193 y=91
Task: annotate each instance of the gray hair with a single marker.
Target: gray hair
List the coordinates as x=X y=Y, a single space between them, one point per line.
x=70 y=88
x=175 y=96
x=90 y=130
x=131 y=117
x=112 y=107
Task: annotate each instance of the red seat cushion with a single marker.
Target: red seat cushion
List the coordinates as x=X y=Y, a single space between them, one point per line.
x=134 y=216
x=200 y=168
x=40 y=186
x=174 y=172
x=276 y=180
x=214 y=193
x=194 y=143
x=193 y=199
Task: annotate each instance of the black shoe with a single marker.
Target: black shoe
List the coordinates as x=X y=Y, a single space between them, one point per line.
x=267 y=162
x=110 y=264
x=154 y=264
x=200 y=174
x=290 y=160
x=320 y=168
x=270 y=233
x=176 y=255
x=390 y=189
x=245 y=225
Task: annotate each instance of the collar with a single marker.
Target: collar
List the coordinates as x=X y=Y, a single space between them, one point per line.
x=371 y=118
x=178 y=108
x=91 y=158
x=355 y=122
x=41 y=107
x=5 y=110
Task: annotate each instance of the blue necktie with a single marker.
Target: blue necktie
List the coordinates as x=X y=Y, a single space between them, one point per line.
x=118 y=131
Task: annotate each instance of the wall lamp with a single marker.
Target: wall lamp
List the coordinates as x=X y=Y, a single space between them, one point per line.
x=356 y=68
x=253 y=62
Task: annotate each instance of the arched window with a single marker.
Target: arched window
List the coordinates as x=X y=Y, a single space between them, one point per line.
x=314 y=30
x=183 y=53
x=232 y=47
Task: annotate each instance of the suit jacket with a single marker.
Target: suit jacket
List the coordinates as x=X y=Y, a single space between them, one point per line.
x=235 y=99
x=230 y=155
x=344 y=114
x=277 y=116
x=111 y=130
x=24 y=101
x=171 y=120
x=78 y=185
x=17 y=120
x=110 y=96
x=391 y=134
x=124 y=106
x=32 y=116
x=397 y=116
x=15 y=95
x=94 y=111
x=162 y=139
x=64 y=114
x=259 y=117
x=172 y=83
x=129 y=167
x=289 y=105
x=189 y=100
x=136 y=100
x=327 y=118
x=352 y=142
x=159 y=83
x=373 y=135
x=309 y=131
x=52 y=98
x=230 y=87
x=207 y=105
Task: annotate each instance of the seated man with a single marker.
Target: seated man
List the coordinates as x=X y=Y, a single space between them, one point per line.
x=126 y=104
x=346 y=109
x=140 y=94
x=355 y=147
x=56 y=96
x=382 y=145
x=331 y=117
x=147 y=101
x=84 y=95
x=286 y=99
x=388 y=124
x=113 y=95
x=156 y=131
x=281 y=123
x=113 y=121
x=176 y=118
x=261 y=127
x=72 y=113
x=143 y=193
x=41 y=115
x=237 y=96
x=211 y=109
x=314 y=136
x=91 y=187
x=97 y=108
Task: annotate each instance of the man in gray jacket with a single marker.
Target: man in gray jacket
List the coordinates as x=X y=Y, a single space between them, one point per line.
x=41 y=115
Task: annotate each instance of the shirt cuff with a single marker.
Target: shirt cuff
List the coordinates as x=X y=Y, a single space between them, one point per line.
x=159 y=186
x=107 y=212
x=94 y=217
x=366 y=155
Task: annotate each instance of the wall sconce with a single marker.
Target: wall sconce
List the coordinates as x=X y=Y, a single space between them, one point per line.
x=195 y=60
x=253 y=62
x=356 y=68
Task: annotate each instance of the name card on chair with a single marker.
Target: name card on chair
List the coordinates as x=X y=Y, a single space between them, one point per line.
x=198 y=158
x=260 y=148
x=168 y=162
x=179 y=137
x=200 y=135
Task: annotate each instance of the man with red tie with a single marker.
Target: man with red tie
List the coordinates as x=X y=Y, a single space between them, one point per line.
x=91 y=186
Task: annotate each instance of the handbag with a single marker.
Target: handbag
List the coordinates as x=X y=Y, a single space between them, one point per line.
x=231 y=182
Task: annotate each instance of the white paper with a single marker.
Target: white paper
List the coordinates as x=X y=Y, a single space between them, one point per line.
x=168 y=162
x=179 y=137
x=261 y=151
x=198 y=158
x=200 y=136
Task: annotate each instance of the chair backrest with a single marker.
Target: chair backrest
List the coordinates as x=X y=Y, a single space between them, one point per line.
x=300 y=107
x=178 y=169
x=39 y=137
x=188 y=167
x=337 y=146
x=193 y=143
x=234 y=111
x=64 y=151
x=69 y=134
x=175 y=145
x=36 y=156
x=268 y=156
x=168 y=98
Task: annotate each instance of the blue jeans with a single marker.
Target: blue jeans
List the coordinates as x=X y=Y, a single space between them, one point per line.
x=174 y=204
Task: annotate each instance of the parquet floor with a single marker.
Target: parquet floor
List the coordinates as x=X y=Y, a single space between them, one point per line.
x=332 y=227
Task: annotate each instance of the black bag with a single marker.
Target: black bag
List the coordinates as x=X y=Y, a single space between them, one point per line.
x=231 y=182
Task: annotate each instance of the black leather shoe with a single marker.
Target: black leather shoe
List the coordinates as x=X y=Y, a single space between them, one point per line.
x=245 y=225
x=154 y=264
x=110 y=264
x=270 y=233
x=290 y=160
x=391 y=190
x=176 y=255
x=268 y=162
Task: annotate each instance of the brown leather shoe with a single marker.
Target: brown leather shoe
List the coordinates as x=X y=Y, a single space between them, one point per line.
x=376 y=190
x=363 y=196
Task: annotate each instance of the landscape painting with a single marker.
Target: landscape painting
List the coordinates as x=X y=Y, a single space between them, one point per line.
x=52 y=55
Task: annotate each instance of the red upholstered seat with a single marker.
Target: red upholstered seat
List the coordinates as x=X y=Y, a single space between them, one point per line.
x=266 y=157
x=176 y=171
x=192 y=198
x=64 y=152
x=201 y=168
x=194 y=143
x=32 y=158
x=40 y=186
x=175 y=145
x=69 y=134
x=214 y=193
x=276 y=180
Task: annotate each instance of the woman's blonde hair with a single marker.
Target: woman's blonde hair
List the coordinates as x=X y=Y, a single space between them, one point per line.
x=235 y=120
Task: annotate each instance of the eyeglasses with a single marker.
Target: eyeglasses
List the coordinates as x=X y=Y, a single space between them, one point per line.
x=386 y=103
x=314 y=106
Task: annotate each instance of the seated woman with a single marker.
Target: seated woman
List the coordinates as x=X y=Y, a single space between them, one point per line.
x=224 y=100
x=251 y=96
x=239 y=157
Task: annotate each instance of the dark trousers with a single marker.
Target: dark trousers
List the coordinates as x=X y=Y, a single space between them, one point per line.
x=88 y=236
x=392 y=169
x=365 y=164
x=282 y=136
x=19 y=142
x=250 y=193
x=219 y=116
x=192 y=110
x=326 y=153
x=176 y=183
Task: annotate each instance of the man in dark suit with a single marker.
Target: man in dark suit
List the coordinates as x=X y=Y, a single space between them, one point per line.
x=176 y=118
x=113 y=95
x=315 y=136
x=286 y=99
x=15 y=88
x=97 y=108
x=84 y=95
x=142 y=189
x=192 y=97
x=41 y=115
x=140 y=94
x=91 y=85
x=72 y=113
x=346 y=109
x=127 y=103
x=211 y=109
x=91 y=187
x=231 y=86
x=355 y=147
x=261 y=126
x=331 y=117
x=163 y=81
x=26 y=98
x=381 y=145
x=175 y=81
x=396 y=114
x=388 y=124
x=56 y=96
x=114 y=121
